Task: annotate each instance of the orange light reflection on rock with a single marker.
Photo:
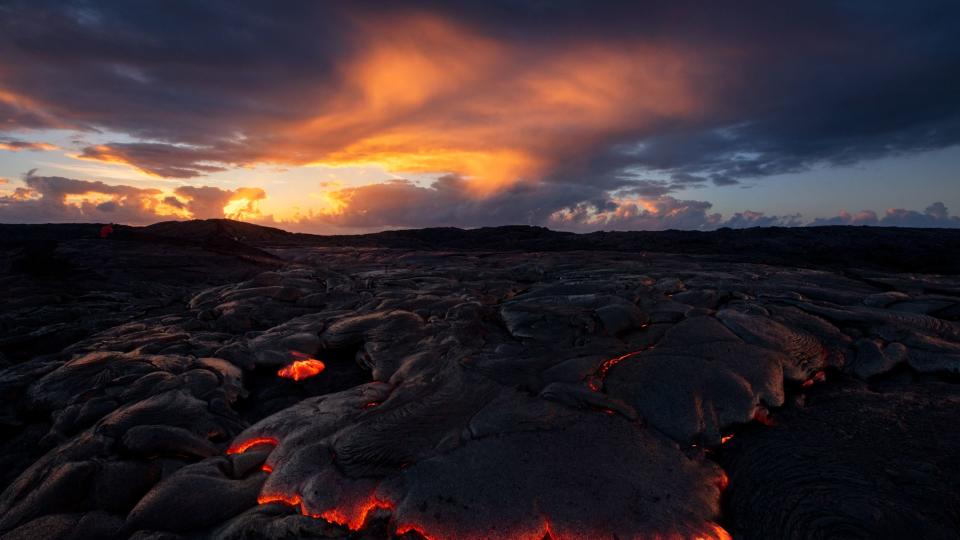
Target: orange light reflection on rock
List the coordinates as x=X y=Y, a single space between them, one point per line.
x=817 y=377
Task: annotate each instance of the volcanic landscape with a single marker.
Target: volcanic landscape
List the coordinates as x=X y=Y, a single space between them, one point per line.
x=217 y=379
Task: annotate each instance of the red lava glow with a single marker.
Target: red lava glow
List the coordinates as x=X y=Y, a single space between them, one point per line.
x=544 y=531
x=371 y=404
x=354 y=518
x=106 y=231
x=724 y=439
x=250 y=443
x=302 y=369
x=404 y=528
x=818 y=377
x=716 y=533
x=289 y=500
x=266 y=468
x=763 y=416
x=596 y=382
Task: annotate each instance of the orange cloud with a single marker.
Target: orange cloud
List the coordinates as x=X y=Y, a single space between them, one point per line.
x=18 y=146
x=427 y=95
x=424 y=94
x=54 y=198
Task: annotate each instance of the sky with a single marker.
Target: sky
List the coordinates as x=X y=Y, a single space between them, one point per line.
x=346 y=117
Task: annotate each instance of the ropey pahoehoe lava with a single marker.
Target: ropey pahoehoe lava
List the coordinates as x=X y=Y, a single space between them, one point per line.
x=360 y=391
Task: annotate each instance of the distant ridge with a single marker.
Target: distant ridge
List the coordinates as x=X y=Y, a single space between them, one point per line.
x=891 y=248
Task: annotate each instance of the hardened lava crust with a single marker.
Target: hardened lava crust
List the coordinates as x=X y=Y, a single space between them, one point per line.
x=221 y=380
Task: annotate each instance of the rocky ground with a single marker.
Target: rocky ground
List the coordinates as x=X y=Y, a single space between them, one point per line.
x=473 y=386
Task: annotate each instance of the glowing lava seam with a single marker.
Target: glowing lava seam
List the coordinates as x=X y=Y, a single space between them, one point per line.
x=250 y=443
x=359 y=517
x=596 y=382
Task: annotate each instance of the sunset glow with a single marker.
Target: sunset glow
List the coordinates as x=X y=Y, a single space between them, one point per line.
x=415 y=116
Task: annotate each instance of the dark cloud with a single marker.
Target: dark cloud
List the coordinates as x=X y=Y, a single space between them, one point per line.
x=208 y=85
x=166 y=160
x=745 y=219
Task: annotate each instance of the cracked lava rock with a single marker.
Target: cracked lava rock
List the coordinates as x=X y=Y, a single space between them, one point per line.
x=221 y=380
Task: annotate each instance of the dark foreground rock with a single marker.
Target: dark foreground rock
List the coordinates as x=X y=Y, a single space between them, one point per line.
x=474 y=393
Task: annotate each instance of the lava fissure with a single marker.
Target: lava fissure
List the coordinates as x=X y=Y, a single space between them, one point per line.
x=596 y=381
x=250 y=443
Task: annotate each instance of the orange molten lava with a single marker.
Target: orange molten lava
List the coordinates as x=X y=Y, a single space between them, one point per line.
x=250 y=443
x=404 y=528
x=354 y=518
x=717 y=533
x=302 y=369
x=266 y=468
x=289 y=500
x=725 y=438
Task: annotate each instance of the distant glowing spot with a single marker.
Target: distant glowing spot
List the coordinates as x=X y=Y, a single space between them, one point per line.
x=818 y=377
x=763 y=416
x=725 y=439
x=723 y=481
x=250 y=443
x=266 y=468
x=371 y=404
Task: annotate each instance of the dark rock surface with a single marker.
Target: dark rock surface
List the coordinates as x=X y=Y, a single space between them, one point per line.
x=496 y=383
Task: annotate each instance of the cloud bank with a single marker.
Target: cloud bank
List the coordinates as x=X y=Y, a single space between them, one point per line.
x=514 y=90
x=49 y=199
x=555 y=112
x=405 y=204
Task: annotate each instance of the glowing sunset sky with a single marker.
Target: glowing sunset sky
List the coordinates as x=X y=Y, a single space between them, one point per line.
x=358 y=116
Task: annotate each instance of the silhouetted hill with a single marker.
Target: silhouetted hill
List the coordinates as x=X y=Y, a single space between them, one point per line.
x=890 y=248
